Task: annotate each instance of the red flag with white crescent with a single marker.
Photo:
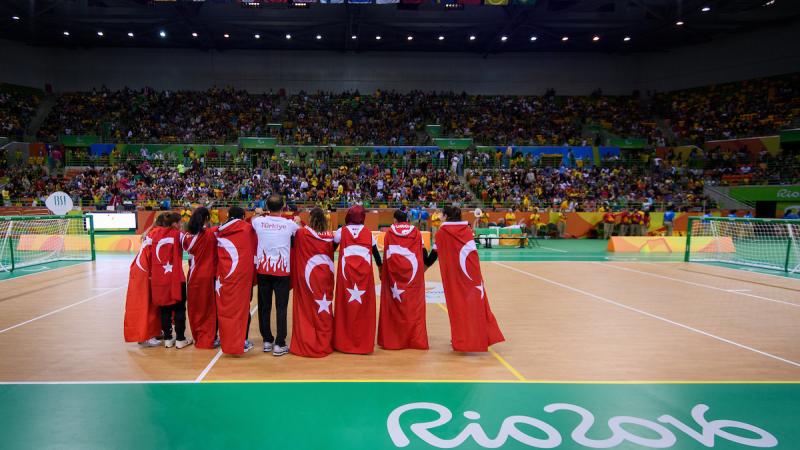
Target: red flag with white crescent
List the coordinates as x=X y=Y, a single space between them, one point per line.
x=142 y=319
x=354 y=321
x=472 y=323
x=200 y=295
x=402 y=314
x=236 y=250
x=166 y=266
x=312 y=298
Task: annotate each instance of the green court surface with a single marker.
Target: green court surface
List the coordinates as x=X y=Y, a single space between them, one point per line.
x=569 y=250
x=418 y=415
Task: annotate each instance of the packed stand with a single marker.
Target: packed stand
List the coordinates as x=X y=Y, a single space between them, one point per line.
x=16 y=111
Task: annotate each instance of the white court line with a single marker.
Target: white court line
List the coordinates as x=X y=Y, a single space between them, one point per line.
x=554 y=249
x=654 y=316
x=745 y=268
x=217 y=356
x=61 y=309
x=707 y=286
x=11 y=383
x=45 y=271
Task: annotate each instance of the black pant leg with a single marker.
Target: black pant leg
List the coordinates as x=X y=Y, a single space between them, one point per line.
x=265 y=306
x=281 y=286
x=166 y=321
x=180 y=319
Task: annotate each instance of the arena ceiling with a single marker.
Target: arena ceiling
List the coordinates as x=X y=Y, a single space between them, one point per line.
x=589 y=25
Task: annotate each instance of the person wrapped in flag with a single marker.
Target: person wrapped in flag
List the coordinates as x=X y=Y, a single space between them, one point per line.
x=201 y=244
x=168 y=282
x=142 y=318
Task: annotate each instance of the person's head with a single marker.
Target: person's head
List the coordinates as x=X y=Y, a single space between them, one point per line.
x=172 y=220
x=317 y=220
x=400 y=216
x=452 y=213
x=235 y=212
x=274 y=203
x=355 y=215
x=160 y=220
x=200 y=217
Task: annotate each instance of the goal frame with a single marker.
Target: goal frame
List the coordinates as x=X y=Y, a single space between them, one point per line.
x=85 y=218
x=791 y=244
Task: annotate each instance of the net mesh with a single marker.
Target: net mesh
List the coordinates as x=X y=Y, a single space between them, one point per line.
x=26 y=241
x=764 y=243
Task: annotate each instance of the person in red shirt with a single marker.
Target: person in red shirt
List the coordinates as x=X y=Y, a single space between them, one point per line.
x=201 y=245
x=167 y=280
x=608 y=224
x=624 y=222
x=273 y=259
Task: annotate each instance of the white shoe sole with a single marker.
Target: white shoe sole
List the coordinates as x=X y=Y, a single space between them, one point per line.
x=280 y=353
x=169 y=344
x=179 y=346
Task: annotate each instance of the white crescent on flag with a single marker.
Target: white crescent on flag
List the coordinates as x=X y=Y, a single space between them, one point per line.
x=231 y=249
x=468 y=248
x=147 y=241
x=163 y=241
x=405 y=253
x=355 y=250
x=313 y=262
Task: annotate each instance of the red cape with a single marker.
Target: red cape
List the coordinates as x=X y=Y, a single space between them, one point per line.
x=200 y=295
x=142 y=319
x=312 y=298
x=354 y=319
x=166 y=266
x=236 y=250
x=402 y=319
x=472 y=323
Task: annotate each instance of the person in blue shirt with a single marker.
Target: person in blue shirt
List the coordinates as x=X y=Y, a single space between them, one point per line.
x=414 y=214
x=423 y=222
x=732 y=214
x=792 y=215
x=748 y=215
x=669 y=220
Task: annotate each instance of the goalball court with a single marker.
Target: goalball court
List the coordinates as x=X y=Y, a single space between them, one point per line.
x=630 y=343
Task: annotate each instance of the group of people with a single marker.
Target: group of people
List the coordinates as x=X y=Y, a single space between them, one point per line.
x=333 y=308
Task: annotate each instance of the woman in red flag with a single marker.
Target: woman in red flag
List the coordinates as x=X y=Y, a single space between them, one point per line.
x=312 y=283
x=167 y=280
x=405 y=259
x=142 y=322
x=354 y=321
x=201 y=245
x=236 y=250
x=472 y=324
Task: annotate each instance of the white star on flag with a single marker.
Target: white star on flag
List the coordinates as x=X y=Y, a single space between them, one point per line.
x=324 y=304
x=481 y=288
x=396 y=292
x=167 y=267
x=217 y=286
x=355 y=294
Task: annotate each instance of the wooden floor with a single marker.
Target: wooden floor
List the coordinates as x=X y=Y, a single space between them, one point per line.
x=563 y=321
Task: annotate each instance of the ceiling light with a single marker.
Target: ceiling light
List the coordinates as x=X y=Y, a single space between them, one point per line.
x=288 y=36
x=194 y=35
x=163 y=34
x=533 y=38
x=565 y=39
x=354 y=37
x=410 y=38
x=257 y=36
x=441 y=38
x=319 y=36
x=503 y=38
x=626 y=38
x=226 y=35
x=679 y=23
x=15 y=17
x=472 y=37
x=706 y=9
x=130 y=34
x=769 y=3
x=66 y=33
x=596 y=38
x=100 y=33
x=378 y=37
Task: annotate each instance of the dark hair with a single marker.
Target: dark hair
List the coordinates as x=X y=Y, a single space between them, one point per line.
x=274 y=203
x=160 y=220
x=452 y=213
x=400 y=215
x=198 y=220
x=235 y=212
x=317 y=220
x=168 y=219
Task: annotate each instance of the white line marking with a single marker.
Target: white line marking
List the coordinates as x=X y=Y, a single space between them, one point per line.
x=61 y=309
x=554 y=249
x=654 y=316
x=217 y=356
x=749 y=269
x=7 y=383
x=48 y=271
x=739 y=290
x=707 y=286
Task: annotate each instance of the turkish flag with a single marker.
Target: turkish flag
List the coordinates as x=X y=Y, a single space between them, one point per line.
x=200 y=295
x=166 y=266
x=402 y=319
x=472 y=323
x=312 y=298
x=236 y=250
x=142 y=319
x=354 y=321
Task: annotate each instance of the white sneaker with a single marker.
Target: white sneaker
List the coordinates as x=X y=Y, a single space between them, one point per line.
x=152 y=342
x=280 y=351
x=169 y=343
x=267 y=347
x=247 y=346
x=184 y=343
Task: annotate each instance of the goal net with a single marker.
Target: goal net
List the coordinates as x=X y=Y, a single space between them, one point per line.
x=30 y=240
x=765 y=243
